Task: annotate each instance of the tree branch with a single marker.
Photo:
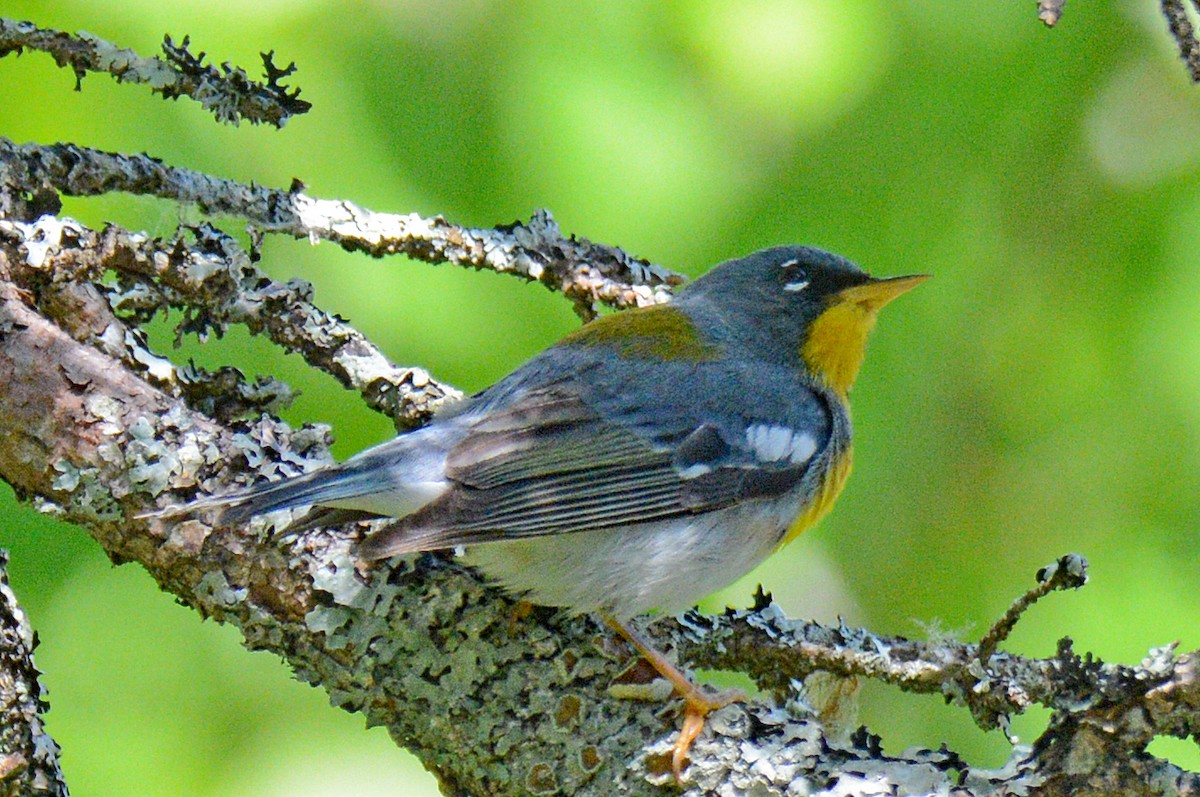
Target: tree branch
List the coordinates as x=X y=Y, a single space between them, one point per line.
x=584 y=272
x=1184 y=34
x=1050 y=11
x=228 y=94
x=28 y=756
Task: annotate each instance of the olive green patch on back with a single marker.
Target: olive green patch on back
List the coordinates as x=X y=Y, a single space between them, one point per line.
x=660 y=332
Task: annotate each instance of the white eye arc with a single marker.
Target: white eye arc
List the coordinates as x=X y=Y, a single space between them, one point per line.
x=798 y=285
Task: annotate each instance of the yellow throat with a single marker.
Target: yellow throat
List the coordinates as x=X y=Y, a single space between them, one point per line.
x=833 y=351
x=836 y=341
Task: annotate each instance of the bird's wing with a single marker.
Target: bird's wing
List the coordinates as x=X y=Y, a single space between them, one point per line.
x=588 y=455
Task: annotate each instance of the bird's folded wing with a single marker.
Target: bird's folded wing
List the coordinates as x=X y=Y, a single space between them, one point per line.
x=549 y=464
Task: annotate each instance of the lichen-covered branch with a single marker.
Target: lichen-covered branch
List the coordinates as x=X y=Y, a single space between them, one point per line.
x=228 y=93
x=215 y=283
x=1050 y=11
x=28 y=756
x=1184 y=34
x=584 y=272
x=992 y=685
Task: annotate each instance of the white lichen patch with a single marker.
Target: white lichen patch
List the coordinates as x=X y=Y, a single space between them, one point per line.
x=90 y=495
x=156 y=367
x=67 y=478
x=338 y=577
x=214 y=588
x=109 y=413
x=42 y=238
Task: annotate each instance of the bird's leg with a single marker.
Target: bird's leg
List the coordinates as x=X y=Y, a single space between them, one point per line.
x=698 y=703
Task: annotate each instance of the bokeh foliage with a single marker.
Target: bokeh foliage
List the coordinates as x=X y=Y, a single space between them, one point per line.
x=1039 y=396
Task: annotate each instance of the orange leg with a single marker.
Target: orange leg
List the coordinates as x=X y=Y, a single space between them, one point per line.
x=698 y=703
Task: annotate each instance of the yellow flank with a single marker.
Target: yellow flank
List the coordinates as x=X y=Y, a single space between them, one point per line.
x=660 y=332
x=836 y=343
x=830 y=489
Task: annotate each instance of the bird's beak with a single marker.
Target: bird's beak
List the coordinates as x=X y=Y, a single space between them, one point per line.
x=875 y=293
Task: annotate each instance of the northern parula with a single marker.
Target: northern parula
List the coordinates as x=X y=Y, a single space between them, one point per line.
x=645 y=460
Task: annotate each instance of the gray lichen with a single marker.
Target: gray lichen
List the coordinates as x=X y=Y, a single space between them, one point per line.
x=28 y=755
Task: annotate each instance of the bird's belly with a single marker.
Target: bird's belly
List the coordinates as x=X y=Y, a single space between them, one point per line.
x=664 y=565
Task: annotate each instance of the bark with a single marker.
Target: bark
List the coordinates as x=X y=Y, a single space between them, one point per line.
x=28 y=756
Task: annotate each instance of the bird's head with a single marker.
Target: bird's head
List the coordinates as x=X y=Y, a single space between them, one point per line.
x=798 y=300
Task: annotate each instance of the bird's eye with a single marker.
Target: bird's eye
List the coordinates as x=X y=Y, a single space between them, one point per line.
x=793 y=276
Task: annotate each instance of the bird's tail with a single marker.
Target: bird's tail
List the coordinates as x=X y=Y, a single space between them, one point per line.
x=391 y=479
x=317 y=487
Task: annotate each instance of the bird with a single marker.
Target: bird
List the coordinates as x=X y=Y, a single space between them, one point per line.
x=645 y=460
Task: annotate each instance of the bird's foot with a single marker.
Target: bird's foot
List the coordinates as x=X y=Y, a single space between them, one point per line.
x=698 y=704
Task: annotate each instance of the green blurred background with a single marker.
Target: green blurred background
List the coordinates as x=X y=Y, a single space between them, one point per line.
x=1039 y=396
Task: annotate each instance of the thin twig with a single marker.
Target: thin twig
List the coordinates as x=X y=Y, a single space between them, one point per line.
x=776 y=652
x=1069 y=572
x=1050 y=11
x=229 y=93
x=1184 y=34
